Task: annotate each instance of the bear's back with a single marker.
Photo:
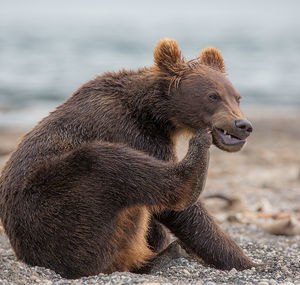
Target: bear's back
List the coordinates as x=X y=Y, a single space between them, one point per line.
x=103 y=109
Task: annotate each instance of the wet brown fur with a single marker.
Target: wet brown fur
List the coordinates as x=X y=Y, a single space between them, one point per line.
x=93 y=187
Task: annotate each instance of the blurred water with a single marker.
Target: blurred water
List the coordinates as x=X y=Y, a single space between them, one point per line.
x=49 y=48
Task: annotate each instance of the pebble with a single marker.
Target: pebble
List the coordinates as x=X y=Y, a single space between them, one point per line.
x=263 y=283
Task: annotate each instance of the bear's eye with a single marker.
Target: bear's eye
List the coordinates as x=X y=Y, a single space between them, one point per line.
x=214 y=97
x=238 y=100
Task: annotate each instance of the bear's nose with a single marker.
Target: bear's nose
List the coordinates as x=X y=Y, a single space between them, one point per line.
x=243 y=126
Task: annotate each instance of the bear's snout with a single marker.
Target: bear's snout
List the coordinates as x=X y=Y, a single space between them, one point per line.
x=243 y=127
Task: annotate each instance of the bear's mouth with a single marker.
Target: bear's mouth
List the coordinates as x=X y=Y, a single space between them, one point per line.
x=227 y=141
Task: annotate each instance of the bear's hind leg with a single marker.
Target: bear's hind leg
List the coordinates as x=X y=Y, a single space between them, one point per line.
x=65 y=218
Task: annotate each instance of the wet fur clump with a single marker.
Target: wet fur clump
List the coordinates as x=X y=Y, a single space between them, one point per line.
x=98 y=184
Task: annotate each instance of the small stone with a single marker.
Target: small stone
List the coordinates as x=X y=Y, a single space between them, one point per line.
x=263 y=283
x=210 y=283
x=233 y=271
x=186 y=272
x=47 y=282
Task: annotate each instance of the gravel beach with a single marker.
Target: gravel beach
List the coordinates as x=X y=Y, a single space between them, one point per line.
x=265 y=177
x=281 y=253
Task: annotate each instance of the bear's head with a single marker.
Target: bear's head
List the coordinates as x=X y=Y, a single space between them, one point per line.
x=201 y=95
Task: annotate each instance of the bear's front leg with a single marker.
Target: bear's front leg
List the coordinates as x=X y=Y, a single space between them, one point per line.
x=199 y=234
x=201 y=179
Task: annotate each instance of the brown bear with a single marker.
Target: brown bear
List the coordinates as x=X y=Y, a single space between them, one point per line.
x=93 y=187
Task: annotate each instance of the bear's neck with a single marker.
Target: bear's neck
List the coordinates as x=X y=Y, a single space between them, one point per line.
x=145 y=94
x=146 y=98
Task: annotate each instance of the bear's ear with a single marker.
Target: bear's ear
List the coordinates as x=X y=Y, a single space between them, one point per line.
x=213 y=58
x=167 y=56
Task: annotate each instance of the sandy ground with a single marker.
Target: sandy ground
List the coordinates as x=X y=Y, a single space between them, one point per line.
x=264 y=177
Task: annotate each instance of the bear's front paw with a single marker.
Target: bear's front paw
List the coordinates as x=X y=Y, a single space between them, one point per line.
x=202 y=138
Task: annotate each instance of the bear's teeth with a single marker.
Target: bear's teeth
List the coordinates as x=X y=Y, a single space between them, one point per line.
x=230 y=137
x=225 y=132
